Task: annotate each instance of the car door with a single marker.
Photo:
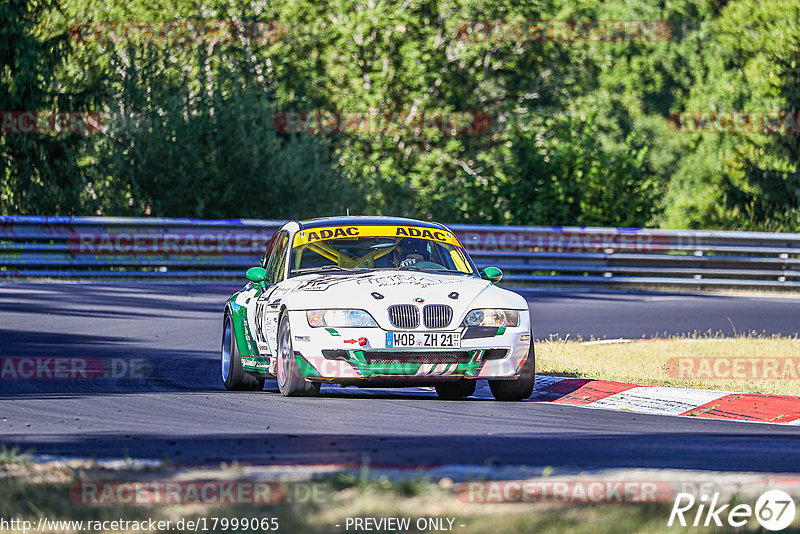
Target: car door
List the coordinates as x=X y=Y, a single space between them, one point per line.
x=268 y=304
x=252 y=296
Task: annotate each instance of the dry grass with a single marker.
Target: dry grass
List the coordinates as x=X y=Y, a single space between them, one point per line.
x=748 y=364
x=33 y=490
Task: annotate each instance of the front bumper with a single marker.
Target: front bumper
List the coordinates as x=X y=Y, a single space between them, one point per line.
x=355 y=354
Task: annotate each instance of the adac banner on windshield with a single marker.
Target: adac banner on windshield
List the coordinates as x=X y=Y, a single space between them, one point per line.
x=350 y=232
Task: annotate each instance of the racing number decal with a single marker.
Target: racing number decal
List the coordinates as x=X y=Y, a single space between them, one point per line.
x=261 y=311
x=265 y=323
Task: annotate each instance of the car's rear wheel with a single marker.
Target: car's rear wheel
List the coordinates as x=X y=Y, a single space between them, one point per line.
x=455 y=390
x=290 y=382
x=233 y=376
x=522 y=387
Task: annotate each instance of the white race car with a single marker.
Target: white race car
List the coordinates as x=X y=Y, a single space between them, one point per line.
x=375 y=302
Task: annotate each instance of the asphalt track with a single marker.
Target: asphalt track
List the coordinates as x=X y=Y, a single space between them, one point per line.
x=174 y=407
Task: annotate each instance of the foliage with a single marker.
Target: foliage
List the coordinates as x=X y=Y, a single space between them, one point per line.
x=213 y=153
x=568 y=178
x=579 y=133
x=38 y=173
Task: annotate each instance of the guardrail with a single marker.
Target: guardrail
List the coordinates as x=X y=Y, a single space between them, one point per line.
x=158 y=248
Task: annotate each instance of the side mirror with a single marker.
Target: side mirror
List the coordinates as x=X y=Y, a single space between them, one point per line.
x=492 y=274
x=256 y=274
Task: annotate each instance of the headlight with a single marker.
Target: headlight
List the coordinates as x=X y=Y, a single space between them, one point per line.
x=492 y=317
x=339 y=318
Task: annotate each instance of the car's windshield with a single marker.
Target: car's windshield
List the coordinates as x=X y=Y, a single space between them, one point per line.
x=378 y=247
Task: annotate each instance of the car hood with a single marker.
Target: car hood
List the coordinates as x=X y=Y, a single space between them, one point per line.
x=463 y=293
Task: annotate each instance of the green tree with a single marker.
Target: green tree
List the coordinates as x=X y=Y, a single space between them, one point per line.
x=40 y=173
x=565 y=176
x=771 y=197
x=579 y=132
x=214 y=153
x=741 y=180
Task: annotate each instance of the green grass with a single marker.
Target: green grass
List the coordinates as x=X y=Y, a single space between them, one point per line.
x=12 y=455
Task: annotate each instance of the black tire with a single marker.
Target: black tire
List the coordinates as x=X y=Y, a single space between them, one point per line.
x=234 y=377
x=455 y=390
x=290 y=382
x=522 y=387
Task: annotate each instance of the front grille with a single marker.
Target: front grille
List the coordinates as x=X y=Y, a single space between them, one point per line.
x=437 y=315
x=404 y=316
x=375 y=357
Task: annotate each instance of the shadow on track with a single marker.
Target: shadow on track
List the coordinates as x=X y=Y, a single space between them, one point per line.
x=34 y=364
x=121 y=300
x=718 y=452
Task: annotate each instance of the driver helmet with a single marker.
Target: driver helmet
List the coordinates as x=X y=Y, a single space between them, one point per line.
x=409 y=245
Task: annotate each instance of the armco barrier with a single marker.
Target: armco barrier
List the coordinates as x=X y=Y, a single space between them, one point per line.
x=157 y=248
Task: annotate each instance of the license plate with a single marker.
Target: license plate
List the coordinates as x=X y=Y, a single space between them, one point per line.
x=428 y=340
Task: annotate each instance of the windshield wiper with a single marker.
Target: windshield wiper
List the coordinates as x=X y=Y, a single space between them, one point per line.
x=320 y=268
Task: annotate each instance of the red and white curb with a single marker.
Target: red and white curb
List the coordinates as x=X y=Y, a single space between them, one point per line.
x=607 y=395
x=701 y=403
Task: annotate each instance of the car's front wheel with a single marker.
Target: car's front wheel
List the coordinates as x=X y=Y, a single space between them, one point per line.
x=290 y=382
x=233 y=376
x=522 y=387
x=455 y=390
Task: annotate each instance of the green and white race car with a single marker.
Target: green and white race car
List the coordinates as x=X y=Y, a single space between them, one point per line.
x=375 y=302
